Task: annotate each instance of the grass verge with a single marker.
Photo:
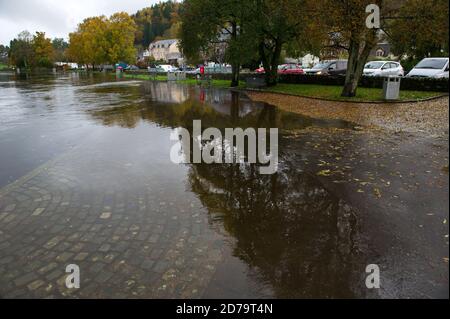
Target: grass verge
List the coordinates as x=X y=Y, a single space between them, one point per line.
x=334 y=92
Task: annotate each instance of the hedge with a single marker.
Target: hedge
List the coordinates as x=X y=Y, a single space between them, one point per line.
x=407 y=84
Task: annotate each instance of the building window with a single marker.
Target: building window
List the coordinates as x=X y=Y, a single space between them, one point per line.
x=380 y=53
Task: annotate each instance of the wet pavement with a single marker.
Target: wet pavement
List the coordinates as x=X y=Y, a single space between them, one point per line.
x=86 y=179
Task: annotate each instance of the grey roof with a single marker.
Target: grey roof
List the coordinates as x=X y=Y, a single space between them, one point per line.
x=164 y=42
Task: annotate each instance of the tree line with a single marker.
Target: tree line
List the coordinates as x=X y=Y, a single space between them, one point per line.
x=160 y=21
x=262 y=29
x=35 y=51
x=97 y=40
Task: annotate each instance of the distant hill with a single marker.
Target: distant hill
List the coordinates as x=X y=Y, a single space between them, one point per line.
x=160 y=21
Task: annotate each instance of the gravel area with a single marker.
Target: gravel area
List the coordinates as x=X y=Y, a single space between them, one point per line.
x=430 y=118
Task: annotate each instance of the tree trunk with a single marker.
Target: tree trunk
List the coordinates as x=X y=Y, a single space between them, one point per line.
x=271 y=67
x=356 y=61
x=351 y=80
x=235 y=66
x=235 y=72
x=273 y=77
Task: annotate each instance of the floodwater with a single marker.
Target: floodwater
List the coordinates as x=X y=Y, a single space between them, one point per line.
x=86 y=179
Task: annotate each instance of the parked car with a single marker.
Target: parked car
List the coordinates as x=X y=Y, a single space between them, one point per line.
x=291 y=69
x=260 y=70
x=121 y=65
x=280 y=68
x=383 y=68
x=132 y=68
x=108 y=67
x=164 y=68
x=187 y=69
x=194 y=71
x=332 y=67
x=431 y=68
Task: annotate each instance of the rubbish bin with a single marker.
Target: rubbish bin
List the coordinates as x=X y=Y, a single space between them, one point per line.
x=391 y=88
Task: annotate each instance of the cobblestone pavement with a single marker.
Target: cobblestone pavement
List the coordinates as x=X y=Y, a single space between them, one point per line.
x=132 y=233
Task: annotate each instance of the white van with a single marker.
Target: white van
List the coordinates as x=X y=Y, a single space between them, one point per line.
x=164 y=68
x=431 y=68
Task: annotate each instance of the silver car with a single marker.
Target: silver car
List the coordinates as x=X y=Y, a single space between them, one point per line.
x=383 y=68
x=431 y=68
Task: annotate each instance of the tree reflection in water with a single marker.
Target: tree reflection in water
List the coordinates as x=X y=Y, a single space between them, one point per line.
x=295 y=236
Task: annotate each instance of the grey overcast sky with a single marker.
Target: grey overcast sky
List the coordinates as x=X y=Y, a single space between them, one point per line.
x=57 y=18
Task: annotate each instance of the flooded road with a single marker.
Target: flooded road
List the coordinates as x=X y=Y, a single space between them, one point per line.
x=86 y=179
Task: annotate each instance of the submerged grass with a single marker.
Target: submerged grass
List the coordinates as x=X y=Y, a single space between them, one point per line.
x=163 y=78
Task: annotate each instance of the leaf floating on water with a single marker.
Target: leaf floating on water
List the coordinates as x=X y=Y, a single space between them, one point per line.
x=360 y=191
x=377 y=192
x=364 y=183
x=325 y=172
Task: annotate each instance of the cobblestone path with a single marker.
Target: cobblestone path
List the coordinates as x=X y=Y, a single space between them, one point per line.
x=132 y=233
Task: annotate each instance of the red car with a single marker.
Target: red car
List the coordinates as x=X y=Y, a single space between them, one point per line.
x=285 y=69
x=291 y=69
x=260 y=71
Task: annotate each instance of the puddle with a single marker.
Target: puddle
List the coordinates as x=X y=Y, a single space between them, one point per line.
x=114 y=196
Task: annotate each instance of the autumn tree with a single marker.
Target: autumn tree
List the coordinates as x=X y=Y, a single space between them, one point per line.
x=405 y=23
x=100 y=40
x=21 y=50
x=249 y=29
x=89 y=44
x=43 y=52
x=120 y=32
x=4 y=51
x=277 y=24
x=419 y=28
x=27 y=51
x=60 y=46
x=348 y=30
x=211 y=25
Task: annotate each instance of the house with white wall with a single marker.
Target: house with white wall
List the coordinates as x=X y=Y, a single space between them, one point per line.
x=167 y=51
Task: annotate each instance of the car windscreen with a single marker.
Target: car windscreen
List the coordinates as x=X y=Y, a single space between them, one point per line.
x=321 y=66
x=373 y=65
x=431 y=64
